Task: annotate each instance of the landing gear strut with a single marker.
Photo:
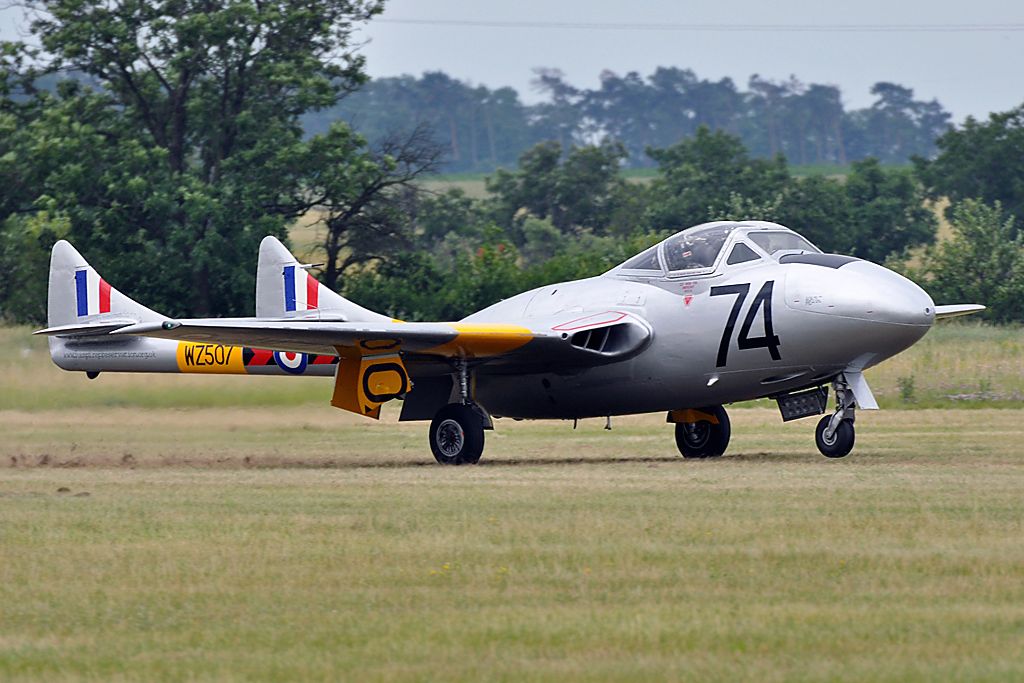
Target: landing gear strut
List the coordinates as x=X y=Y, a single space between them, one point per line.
x=835 y=433
x=702 y=433
x=457 y=431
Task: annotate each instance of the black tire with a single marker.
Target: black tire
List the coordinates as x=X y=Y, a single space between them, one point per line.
x=704 y=439
x=842 y=441
x=457 y=435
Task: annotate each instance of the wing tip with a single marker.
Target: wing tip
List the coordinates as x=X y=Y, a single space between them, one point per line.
x=957 y=310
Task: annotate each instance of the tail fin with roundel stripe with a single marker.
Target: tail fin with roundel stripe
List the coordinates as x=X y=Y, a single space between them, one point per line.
x=79 y=301
x=83 y=309
x=285 y=290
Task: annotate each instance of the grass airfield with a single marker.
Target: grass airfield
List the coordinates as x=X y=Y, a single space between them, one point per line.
x=262 y=535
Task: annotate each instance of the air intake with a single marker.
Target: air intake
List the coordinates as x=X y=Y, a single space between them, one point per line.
x=611 y=340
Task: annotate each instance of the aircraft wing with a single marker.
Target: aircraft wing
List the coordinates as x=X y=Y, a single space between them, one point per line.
x=955 y=310
x=590 y=340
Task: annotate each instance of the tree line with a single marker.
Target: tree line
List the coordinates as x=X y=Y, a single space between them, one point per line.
x=567 y=212
x=191 y=137
x=482 y=129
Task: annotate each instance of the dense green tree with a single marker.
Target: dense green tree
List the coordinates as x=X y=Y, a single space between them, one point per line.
x=819 y=209
x=983 y=159
x=480 y=128
x=188 y=149
x=887 y=212
x=983 y=262
x=578 y=188
x=895 y=127
x=362 y=196
x=451 y=212
x=485 y=129
x=25 y=241
x=412 y=286
x=700 y=176
x=873 y=213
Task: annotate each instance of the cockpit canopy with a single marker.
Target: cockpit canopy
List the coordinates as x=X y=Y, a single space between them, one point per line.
x=697 y=250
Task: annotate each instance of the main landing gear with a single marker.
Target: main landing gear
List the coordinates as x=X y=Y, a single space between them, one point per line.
x=835 y=433
x=457 y=431
x=457 y=435
x=702 y=433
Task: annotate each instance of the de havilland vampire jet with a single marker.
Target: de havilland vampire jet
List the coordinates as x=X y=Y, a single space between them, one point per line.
x=718 y=313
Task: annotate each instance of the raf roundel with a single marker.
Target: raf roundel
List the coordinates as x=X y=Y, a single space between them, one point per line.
x=294 y=363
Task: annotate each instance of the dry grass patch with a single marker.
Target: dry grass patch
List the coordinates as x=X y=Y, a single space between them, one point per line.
x=338 y=552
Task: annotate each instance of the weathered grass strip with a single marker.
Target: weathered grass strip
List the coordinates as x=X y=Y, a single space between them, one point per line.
x=338 y=552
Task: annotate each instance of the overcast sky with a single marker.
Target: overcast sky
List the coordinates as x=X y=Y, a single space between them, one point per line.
x=969 y=71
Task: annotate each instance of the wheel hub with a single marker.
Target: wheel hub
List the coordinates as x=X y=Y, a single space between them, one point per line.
x=450 y=438
x=697 y=433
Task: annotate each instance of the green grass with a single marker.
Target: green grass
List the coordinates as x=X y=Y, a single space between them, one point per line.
x=299 y=544
x=473 y=184
x=955 y=365
x=807 y=170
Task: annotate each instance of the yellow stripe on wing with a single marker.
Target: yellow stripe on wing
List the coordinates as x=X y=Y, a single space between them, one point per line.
x=480 y=340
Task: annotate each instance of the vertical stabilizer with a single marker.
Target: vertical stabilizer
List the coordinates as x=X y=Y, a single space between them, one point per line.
x=285 y=290
x=77 y=294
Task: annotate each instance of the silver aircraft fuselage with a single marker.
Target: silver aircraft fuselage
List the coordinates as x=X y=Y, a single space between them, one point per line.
x=708 y=341
x=661 y=332
x=718 y=313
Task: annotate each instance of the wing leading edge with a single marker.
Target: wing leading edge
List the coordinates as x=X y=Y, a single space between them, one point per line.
x=372 y=369
x=549 y=341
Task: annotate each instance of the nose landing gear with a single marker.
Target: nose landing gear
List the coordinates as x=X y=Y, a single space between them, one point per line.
x=835 y=434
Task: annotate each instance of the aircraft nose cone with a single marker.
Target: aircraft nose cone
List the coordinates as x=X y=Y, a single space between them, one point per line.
x=867 y=312
x=883 y=296
x=860 y=290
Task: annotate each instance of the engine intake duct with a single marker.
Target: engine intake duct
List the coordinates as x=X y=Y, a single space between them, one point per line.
x=611 y=340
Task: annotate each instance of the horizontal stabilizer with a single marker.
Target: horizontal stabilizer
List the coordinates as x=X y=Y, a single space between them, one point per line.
x=956 y=310
x=86 y=329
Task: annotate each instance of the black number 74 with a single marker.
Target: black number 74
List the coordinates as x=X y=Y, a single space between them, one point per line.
x=763 y=299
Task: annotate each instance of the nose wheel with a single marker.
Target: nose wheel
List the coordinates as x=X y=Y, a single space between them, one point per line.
x=835 y=434
x=839 y=443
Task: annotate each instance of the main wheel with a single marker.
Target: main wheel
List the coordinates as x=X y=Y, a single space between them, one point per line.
x=841 y=442
x=457 y=435
x=704 y=439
